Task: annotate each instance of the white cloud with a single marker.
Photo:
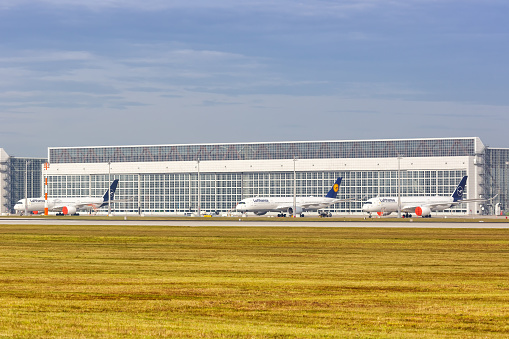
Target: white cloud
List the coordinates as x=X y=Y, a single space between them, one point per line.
x=157 y=54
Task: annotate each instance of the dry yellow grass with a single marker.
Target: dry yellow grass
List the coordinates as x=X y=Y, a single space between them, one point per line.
x=86 y=281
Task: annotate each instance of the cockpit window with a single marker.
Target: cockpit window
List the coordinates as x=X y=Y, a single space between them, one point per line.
x=368 y=203
x=242 y=203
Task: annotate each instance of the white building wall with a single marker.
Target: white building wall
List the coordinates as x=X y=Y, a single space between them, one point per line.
x=236 y=166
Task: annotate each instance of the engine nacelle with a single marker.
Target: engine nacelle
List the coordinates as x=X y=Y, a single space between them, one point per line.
x=383 y=213
x=69 y=210
x=298 y=210
x=422 y=211
x=260 y=212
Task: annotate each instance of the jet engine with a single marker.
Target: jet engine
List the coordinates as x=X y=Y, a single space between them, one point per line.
x=383 y=213
x=69 y=210
x=298 y=210
x=260 y=212
x=423 y=211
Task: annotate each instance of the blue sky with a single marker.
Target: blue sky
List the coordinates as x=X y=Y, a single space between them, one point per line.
x=125 y=72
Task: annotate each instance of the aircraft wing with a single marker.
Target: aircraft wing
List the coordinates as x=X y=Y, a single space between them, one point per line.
x=320 y=204
x=409 y=208
x=284 y=207
x=346 y=200
x=105 y=203
x=310 y=206
x=474 y=200
x=314 y=205
x=432 y=206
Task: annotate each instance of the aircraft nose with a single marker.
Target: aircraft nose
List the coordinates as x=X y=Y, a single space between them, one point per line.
x=242 y=206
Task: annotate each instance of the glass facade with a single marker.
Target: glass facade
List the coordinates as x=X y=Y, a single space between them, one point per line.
x=21 y=173
x=496 y=179
x=178 y=192
x=267 y=151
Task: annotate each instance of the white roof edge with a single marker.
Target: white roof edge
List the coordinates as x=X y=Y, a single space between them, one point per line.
x=29 y=158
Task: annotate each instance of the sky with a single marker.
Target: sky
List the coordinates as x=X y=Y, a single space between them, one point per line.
x=126 y=72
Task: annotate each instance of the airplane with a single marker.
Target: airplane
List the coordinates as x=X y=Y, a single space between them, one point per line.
x=67 y=206
x=420 y=205
x=262 y=205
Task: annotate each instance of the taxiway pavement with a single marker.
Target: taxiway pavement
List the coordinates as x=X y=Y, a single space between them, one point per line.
x=251 y=223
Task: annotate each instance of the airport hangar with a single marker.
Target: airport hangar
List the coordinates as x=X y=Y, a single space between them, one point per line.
x=163 y=179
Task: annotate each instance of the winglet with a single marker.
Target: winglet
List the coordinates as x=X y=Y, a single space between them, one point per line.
x=333 y=192
x=458 y=192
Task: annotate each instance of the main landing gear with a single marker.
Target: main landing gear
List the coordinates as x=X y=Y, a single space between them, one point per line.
x=408 y=215
x=283 y=215
x=324 y=214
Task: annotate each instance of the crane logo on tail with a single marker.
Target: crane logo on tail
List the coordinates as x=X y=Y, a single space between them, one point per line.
x=335 y=188
x=460 y=191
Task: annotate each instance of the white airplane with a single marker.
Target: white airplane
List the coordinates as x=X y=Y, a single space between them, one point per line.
x=67 y=205
x=420 y=205
x=262 y=205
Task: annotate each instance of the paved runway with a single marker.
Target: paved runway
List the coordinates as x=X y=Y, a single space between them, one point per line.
x=252 y=223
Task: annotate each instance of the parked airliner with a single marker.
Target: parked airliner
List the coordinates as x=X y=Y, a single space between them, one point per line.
x=420 y=205
x=67 y=205
x=262 y=205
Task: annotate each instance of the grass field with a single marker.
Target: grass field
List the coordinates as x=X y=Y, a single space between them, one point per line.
x=86 y=281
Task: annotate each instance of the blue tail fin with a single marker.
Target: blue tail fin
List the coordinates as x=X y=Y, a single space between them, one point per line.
x=458 y=192
x=112 y=189
x=333 y=193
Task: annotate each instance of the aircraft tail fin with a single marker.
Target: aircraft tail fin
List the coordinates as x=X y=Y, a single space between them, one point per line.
x=458 y=192
x=112 y=189
x=333 y=192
